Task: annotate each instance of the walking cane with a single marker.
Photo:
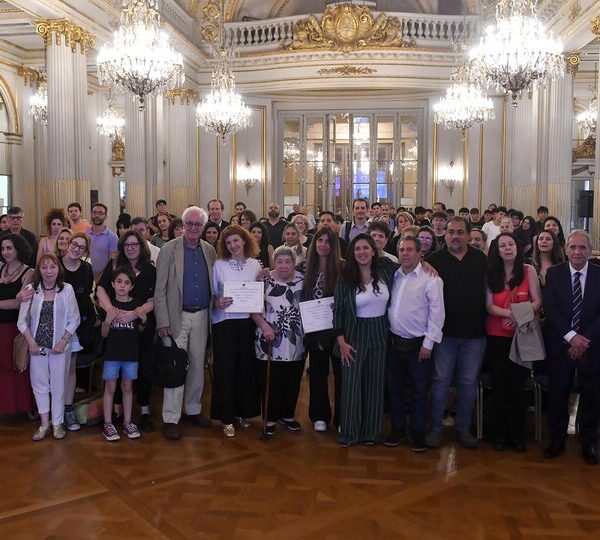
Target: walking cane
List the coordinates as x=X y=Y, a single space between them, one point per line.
x=264 y=435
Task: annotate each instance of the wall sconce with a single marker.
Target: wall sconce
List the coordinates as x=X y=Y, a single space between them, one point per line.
x=247 y=177
x=450 y=177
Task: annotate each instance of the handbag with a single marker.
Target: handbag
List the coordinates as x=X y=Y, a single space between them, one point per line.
x=21 y=347
x=169 y=364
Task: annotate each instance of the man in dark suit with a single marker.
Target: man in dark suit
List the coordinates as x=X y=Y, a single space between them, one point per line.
x=572 y=337
x=215 y=213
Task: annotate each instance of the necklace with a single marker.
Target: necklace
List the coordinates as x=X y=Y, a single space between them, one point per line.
x=237 y=264
x=8 y=276
x=50 y=289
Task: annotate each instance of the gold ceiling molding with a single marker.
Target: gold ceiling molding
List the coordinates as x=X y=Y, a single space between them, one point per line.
x=346 y=71
x=211 y=13
x=346 y=28
x=586 y=150
x=181 y=96
x=63 y=29
x=575 y=11
x=277 y=10
x=573 y=61
x=596 y=25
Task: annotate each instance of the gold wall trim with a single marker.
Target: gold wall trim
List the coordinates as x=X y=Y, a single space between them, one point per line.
x=573 y=61
x=218 y=142
x=435 y=165
x=348 y=27
x=233 y=173
x=181 y=96
x=596 y=25
x=198 y=173
x=480 y=197
x=346 y=71
x=13 y=112
x=211 y=14
x=30 y=76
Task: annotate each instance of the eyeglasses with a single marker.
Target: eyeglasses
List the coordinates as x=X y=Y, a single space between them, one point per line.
x=425 y=239
x=131 y=245
x=15 y=217
x=77 y=247
x=96 y=213
x=193 y=224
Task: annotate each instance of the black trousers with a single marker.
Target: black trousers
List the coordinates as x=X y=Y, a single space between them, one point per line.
x=283 y=388
x=235 y=381
x=561 y=372
x=509 y=403
x=319 y=407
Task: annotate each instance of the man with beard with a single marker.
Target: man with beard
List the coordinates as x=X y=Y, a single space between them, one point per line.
x=460 y=354
x=359 y=224
x=103 y=242
x=275 y=225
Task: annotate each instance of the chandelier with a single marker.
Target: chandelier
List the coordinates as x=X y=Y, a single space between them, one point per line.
x=463 y=106
x=291 y=151
x=140 y=60
x=589 y=117
x=223 y=112
x=516 y=51
x=38 y=102
x=110 y=124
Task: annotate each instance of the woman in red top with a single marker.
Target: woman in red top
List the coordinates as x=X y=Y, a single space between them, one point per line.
x=509 y=281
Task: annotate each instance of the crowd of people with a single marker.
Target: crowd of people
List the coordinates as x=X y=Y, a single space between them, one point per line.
x=422 y=301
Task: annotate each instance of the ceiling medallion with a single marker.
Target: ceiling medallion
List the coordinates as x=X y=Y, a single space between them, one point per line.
x=346 y=28
x=346 y=71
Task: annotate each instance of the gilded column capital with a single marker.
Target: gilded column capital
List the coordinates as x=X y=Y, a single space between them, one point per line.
x=181 y=96
x=59 y=28
x=64 y=32
x=596 y=25
x=30 y=76
x=82 y=37
x=573 y=60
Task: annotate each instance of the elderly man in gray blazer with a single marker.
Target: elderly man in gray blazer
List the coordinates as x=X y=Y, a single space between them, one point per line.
x=183 y=303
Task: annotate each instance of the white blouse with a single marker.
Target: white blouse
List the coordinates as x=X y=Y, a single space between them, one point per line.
x=232 y=270
x=371 y=303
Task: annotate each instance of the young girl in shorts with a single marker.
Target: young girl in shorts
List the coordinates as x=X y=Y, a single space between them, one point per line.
x=122 y=353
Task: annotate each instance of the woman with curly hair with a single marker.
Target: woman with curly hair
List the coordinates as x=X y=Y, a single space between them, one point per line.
x=360 y=313
x=281 y=328
x=55 y=221
x=235 y=386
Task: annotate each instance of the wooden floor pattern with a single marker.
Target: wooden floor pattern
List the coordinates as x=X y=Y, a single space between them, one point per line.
x=298 y=485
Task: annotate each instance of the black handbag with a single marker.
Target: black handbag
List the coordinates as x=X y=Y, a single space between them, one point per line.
x=169 y=364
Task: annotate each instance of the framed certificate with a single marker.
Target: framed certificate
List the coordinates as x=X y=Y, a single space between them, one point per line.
x=248 y=296
x=317 y=314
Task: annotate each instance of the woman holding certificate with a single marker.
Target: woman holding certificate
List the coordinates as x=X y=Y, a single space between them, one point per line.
x=323 y=266
x=281 y=328
x=235 y=387
x=360 y=307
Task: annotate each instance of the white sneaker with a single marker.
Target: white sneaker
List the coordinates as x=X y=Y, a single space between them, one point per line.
x=320 y=426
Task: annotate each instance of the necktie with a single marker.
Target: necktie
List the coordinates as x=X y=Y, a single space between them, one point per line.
x=577 y=302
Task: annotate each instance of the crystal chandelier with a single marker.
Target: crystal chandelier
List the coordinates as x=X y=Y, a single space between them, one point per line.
x=291 y=152
x=140 y=60
x=110 y=124
x=38 y=102
x=223 y=112
x=589 y=118
x=516 y=51
x=463 y=106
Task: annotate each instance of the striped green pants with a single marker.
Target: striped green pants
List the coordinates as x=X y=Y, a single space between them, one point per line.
x=363 y=383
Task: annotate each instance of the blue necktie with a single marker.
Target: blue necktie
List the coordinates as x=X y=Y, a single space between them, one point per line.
x=577 y=303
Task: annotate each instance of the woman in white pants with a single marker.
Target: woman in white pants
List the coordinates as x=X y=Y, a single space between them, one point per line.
x=47 y=322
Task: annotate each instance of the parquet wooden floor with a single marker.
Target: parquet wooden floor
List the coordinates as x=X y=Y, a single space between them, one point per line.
x=298 y=485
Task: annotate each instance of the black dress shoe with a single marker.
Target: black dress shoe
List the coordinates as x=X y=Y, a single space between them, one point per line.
x=171 y=431
x=146 y=423
x=198 y=420
x=554 y=449
x=590 y=454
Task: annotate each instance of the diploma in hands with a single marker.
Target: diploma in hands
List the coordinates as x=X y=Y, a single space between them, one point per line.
x=317 y=314
x=248 y=296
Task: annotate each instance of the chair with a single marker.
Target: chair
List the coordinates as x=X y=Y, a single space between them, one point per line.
x=84 y=361
x=485 y=383
x=542 y=383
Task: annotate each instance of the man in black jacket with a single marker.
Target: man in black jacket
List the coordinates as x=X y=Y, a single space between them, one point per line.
x=15 y=226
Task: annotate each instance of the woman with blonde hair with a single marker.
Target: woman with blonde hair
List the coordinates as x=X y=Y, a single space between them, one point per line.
x=292 y=239
x=235 y=393
x=62 y=242
x=55 y=221
x=302 y=224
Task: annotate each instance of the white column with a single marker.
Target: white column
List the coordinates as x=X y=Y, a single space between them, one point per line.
x=182 y=148
x=557 y=150
x=135 y=158
x=595 y=227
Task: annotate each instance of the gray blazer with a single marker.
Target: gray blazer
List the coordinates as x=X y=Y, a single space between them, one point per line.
x=527 y=344
x=168 y=292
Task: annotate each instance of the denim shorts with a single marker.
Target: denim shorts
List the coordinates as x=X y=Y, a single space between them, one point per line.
x=110 y=372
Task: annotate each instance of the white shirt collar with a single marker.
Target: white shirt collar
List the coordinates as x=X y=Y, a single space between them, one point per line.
x=417 y=271
x=583 y=271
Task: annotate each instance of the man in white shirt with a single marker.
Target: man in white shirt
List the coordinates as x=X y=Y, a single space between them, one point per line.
x=492 y=227
x=416 y=314
x=139 y=224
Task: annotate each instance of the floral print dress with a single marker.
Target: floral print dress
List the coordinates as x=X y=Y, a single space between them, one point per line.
x=282 y=307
